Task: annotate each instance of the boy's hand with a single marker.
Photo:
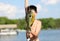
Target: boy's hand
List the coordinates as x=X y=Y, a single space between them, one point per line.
x=26 y=3
x=31 y=35
x=28 y=34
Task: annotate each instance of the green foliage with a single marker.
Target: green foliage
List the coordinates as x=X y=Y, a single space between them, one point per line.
x=50 y=23
x=3 y=20
x=21 y=24
x=57 y=22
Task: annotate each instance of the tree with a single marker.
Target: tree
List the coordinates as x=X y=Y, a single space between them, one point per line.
x=3 y=20
x=21 y=24
x=51 y=23
x=57 y=21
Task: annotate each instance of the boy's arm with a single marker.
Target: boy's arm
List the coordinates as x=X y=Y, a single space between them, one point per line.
x=37 y=30
x=26 y=4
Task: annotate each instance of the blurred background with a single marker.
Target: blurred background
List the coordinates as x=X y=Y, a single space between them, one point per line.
x=13 y=12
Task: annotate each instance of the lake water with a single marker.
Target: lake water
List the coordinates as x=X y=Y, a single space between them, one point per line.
x=45 y=35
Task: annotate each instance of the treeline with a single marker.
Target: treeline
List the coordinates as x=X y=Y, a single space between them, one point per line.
x=50 y=23
x=47 y=23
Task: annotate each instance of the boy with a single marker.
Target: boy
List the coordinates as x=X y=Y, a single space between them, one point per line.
x=36 y=26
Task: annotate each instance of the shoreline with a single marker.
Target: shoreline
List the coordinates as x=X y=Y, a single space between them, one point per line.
x=21 y=30
x=41 y=30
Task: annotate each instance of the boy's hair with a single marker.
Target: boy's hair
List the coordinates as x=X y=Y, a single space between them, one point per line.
x=32 y=7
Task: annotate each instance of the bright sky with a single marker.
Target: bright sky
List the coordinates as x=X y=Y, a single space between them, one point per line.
x=15 y=8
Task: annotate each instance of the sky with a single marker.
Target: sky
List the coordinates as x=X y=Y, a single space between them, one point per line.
x=15 y=9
